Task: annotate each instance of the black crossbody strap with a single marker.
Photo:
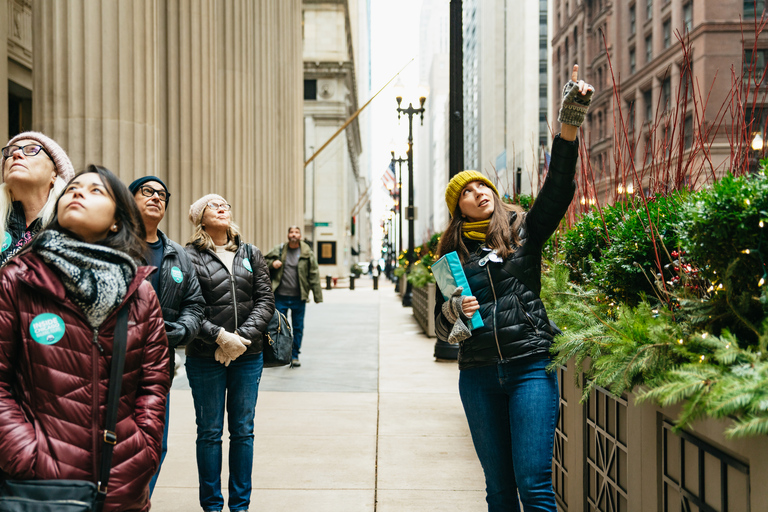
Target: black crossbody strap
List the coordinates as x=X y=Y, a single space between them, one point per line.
x=113 y=399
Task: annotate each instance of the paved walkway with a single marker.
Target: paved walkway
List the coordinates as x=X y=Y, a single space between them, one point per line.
x=370 y=422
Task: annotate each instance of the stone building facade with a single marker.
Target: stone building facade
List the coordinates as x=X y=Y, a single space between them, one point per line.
x=636 y=46
x=338 y=187
x=205 y=94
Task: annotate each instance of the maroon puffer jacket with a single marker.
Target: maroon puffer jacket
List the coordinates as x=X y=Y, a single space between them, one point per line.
x=56 y=432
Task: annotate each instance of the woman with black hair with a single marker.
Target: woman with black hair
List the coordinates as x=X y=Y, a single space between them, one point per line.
x=59 y=299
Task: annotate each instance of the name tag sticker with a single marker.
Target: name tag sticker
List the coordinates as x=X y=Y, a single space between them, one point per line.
x=176 y=274
x=6 y=242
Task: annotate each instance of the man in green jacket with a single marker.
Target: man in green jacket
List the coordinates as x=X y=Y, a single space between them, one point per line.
x=294 y=272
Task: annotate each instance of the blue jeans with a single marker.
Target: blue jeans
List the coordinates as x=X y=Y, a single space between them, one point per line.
x=214 y=386
x=297 y=306
x=164 y=449
x=512 y=409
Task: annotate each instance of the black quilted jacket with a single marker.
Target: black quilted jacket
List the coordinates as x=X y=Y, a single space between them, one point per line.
x=516 y=323
x=241 y=301
x=179 y=294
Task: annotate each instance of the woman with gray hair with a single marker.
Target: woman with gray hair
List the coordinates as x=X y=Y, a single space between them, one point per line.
x=225 y=361
x=35 y=171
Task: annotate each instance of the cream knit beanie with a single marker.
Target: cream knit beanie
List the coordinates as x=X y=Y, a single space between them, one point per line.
x=196 y=209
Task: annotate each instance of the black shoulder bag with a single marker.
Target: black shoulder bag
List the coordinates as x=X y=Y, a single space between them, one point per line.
x=278 y=340
x=76 y=495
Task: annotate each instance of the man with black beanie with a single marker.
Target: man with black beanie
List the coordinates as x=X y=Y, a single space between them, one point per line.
x=175 y=281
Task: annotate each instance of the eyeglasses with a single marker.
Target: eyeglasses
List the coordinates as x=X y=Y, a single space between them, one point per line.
x=28 y=150
x=148 y=191
x=220 y=206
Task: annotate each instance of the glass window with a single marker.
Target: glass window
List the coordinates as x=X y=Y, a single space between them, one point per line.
x=688 y=131
x=648 y=103
x=630 y=119
x=632 y=20
x=632 y=61
x=648 y=9
x=599 y=125
x=667 y=30
x=755 y=60
x=649 y=48
x=648 y=150
x=310 y=89
x=688 y=16
x=753 y=7
x=666 y=94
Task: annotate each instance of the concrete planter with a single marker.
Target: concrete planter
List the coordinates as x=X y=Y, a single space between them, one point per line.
x=402 y=281
x=424 y=307
x=613 y=454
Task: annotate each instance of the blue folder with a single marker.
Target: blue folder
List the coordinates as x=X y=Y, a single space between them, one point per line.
x=449 y=275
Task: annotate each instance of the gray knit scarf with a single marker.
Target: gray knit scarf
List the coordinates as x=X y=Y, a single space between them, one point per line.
x=96 y=277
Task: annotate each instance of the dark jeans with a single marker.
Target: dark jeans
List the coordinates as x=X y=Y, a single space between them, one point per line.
x=164 y=449
x=215 y=386
x=512 y=410
x=297 y=306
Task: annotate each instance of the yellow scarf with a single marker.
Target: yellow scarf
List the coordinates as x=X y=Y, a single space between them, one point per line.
x=476 y=230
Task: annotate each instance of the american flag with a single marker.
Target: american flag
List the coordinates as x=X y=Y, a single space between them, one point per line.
x=389 y=177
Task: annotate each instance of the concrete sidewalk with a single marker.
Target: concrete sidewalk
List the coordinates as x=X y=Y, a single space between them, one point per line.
x=370 y=422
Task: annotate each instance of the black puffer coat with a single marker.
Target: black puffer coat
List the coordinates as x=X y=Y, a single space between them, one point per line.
x=179 y=294
x=241 y=301
x=516 y=323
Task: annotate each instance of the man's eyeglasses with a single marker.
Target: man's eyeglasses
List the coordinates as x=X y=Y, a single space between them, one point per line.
x=28 y=150
x=220 y=206
x=148 y=191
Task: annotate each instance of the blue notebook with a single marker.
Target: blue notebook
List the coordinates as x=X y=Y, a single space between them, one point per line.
x=449 y=275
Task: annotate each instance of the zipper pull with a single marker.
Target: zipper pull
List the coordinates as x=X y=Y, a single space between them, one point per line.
x=95 y=341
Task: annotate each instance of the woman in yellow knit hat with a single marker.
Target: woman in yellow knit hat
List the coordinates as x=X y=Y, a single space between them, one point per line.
x=510 y=400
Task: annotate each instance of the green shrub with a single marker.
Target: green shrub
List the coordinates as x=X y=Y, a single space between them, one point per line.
x=625 y=249
x=420 y=275
x=724 y=230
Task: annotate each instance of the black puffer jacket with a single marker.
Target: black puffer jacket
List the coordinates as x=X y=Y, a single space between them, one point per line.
x=241 y=301
x=179 y=293
x=516 y=323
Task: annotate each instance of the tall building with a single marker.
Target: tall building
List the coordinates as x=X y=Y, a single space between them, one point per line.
x=635 y=45
x=337 y=212
x=431 y=153
x=205 y=94
x=506 y=73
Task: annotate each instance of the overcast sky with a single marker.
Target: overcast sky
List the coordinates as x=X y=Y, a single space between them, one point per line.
x=394 y=42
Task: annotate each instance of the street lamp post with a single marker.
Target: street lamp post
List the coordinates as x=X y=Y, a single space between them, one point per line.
x=410 y=111
x=399 y=161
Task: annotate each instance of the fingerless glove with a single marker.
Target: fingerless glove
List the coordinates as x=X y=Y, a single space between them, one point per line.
x=575 y=105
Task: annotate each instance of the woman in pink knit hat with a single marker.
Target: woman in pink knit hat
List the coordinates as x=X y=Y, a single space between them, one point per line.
x=35 y=170
x=224 y=362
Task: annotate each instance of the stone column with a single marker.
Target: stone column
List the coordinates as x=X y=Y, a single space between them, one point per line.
x=231 y=96
x=95 y=81
x=187 y=112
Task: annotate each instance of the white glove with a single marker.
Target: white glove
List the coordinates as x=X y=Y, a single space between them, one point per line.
x=221 y=357
x=232 y=345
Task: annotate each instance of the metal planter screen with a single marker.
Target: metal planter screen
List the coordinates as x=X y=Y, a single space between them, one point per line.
x=605 y=446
